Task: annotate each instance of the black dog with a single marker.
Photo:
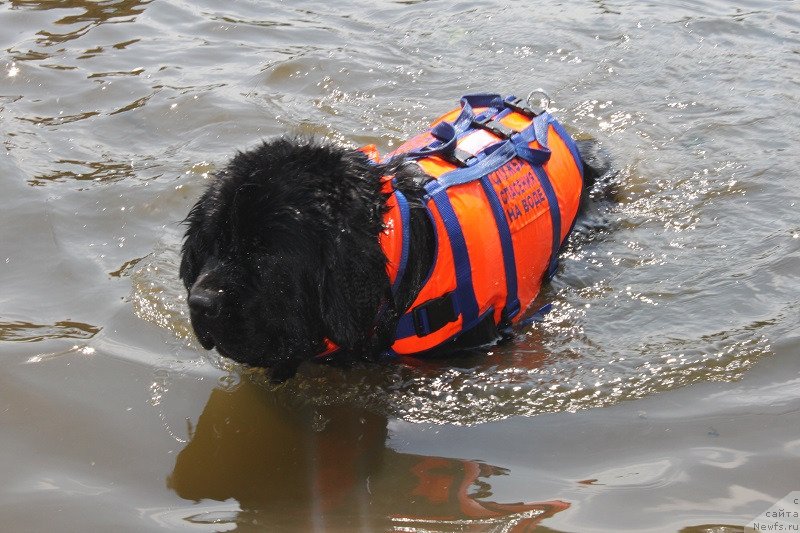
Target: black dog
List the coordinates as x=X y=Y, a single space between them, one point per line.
x=282 y=253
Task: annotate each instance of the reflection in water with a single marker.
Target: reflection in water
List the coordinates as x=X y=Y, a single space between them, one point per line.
x=29 y=332
x=328 y=467
x=105 y=171
x=94 y=14
x=61 y=119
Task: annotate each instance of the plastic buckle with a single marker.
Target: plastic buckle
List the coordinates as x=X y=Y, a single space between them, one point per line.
x=520 y=105
x=498 y=128
x=434 y=314
x=459 y=157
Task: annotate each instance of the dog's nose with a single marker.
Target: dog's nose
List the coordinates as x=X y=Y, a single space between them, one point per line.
x=203 y=302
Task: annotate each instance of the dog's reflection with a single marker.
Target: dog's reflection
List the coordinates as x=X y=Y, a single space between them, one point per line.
x=329 y=468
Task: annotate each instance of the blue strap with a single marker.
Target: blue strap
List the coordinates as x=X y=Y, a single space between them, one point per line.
x=465 y=294
x=465 y=302
x=540 y=126
x=576 y=156
x=537 y=131
x=405 y=219
x=538 y=316
x=483 y=100
x=496 y=156
x=555 y=218
x=405 y=327
x=507 y=246
x=533 y=156
x=570 y=142
x=537 y=157
x=469 y=102
x=500 y=153
x=447 y=136
x=448 y=133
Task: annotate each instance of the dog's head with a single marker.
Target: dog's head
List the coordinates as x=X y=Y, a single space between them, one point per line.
x=281 y=252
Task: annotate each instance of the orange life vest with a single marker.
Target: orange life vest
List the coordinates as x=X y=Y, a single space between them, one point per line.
x=506 y=186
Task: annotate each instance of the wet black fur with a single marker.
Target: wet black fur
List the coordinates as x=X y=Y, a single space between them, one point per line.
x=282 y=251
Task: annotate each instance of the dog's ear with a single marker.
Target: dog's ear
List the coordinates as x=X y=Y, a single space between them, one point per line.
x=353 y=286
x=203 y=233
x=193 y=247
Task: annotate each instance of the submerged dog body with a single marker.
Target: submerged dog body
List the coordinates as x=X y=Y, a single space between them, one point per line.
x=283 y=252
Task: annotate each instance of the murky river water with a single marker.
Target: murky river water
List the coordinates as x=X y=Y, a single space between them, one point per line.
x=662 y=393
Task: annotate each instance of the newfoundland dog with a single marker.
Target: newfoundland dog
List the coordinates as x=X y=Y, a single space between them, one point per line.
x=282 y=259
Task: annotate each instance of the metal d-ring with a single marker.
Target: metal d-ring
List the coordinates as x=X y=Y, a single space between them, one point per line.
x=544 y=99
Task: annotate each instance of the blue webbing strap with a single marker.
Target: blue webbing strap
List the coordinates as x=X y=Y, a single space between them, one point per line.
x=537 y=157
x=469 y=102
x=448 y=133
x=483 y=100
x=405 y=219
x=538 y=316
x=497 y=155
x=573 y=148
x=537 y=131
x=507 y=246
x=464 y=293
x=447 y=136
x=576 y=156
x=464 y=300
x=405 y=327
x=555 y=218
x=540 y=126
x=533 y=156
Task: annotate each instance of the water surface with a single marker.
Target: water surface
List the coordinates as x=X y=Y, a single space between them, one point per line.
x=662 y=392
